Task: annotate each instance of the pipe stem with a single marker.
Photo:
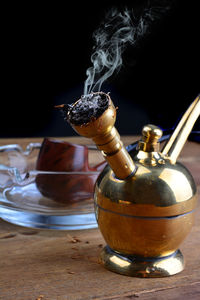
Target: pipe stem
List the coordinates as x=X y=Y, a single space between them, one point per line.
x=182 y=131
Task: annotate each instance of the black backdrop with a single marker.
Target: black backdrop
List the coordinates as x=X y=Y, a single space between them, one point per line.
x=46 y=51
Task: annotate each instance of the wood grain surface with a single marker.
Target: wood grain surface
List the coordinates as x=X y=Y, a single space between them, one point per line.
x=64 y=265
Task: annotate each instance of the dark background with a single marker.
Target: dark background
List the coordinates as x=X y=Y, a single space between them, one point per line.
x=47 y=49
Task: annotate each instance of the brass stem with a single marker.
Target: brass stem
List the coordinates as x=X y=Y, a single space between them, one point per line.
x=116 y=154
x=183 y=129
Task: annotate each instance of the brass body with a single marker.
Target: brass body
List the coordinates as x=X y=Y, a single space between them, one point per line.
x=144 y=202
x=151 y=213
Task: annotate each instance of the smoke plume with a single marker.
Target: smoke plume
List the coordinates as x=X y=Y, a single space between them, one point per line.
x=111 y=39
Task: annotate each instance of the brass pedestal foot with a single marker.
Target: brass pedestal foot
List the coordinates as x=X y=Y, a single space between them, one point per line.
x=142 y=266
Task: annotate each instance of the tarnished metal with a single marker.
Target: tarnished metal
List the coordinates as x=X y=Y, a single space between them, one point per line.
x=145 y=202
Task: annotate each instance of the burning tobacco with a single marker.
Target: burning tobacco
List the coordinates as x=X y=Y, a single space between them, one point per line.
x=88 y=107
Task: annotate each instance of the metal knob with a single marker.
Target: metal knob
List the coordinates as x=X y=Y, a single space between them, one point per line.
x=150 y=138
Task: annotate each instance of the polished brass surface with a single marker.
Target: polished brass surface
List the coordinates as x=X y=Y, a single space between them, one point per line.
x=149 y=214
x=107 y=139
x=163 y=190
x=183 y=129
x=145 y=213
x=142 y=267
x=150 y=136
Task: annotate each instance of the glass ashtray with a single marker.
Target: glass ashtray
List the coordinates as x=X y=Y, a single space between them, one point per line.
x=46 y=199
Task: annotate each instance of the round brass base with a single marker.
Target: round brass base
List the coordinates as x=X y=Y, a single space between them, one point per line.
x=142 y=266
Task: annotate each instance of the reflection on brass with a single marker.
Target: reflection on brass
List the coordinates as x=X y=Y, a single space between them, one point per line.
x=142 y=267
x=144 y=202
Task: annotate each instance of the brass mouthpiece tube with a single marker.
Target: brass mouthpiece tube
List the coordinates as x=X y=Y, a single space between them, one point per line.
x=107 y=139
x=183 y=129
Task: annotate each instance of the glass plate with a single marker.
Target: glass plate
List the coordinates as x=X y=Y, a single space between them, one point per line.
x=44 y=199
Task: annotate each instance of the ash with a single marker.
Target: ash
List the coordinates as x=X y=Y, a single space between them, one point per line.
x=89 y=107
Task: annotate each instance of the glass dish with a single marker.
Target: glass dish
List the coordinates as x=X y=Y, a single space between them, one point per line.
x=25 y=198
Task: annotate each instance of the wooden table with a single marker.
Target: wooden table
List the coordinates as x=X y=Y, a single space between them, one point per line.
x=61 y=265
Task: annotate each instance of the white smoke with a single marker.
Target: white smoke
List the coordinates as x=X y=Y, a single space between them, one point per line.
x=112 y=37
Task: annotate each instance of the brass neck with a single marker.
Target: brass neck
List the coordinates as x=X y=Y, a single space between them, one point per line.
x=115 y=154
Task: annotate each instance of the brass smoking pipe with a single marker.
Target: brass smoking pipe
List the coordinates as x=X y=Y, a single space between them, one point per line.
x=145 y=201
